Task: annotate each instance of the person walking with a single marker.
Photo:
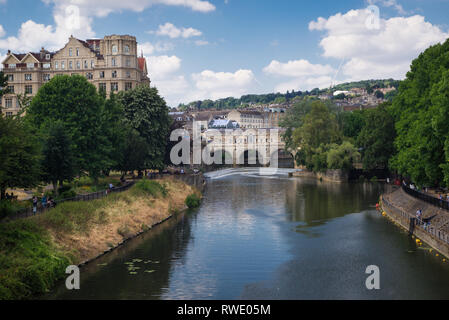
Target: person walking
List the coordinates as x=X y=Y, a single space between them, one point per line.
x=44 y=201
x=34 y=205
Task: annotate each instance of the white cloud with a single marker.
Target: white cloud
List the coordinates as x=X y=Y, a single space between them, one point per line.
x=2 y=31
x=217 y=85
x=173 y=32
x=297 y=68
x=306 y=76
x=376 y=53
x=389 y=3
x=161 y=66
x=102 y=8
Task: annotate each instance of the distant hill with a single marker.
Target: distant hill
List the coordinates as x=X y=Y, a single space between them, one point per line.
x=283 y=98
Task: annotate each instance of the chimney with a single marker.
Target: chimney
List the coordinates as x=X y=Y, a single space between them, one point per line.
x=9 y=52
x=42 y=53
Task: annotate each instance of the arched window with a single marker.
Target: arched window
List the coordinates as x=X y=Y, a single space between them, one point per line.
x=114 y=49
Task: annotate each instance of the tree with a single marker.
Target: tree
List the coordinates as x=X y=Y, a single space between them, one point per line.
x=419 y=111
x=75 y=102
x=294 y=119
x=19 y=156
x=342 y=156
x=379 y=94
x=147 y=112
x=376 y=138
x=58 y=159
x=351 y=123
x=3 y=84
x=132 y=152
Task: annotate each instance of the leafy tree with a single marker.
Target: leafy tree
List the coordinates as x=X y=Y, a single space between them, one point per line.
x=342 y=156
x=351 y=123
x=419 y=111
x=19 y=156
x=58 y=159
x=147 y=112
x=376 y=138
x=3 y=84
x=132 y=152
x=379 y=94
x=75 y=102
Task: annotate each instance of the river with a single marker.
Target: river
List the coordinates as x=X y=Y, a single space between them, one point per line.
x=269 y=237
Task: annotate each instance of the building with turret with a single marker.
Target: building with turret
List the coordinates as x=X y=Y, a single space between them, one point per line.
x=111 y=64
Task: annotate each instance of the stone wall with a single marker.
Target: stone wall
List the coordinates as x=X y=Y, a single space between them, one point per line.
x=338 y=176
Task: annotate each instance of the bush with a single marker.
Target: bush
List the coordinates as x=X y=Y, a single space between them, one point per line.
x=151 y=187
x=193 y=201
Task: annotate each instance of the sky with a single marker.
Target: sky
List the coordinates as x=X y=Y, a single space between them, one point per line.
x=211 y=49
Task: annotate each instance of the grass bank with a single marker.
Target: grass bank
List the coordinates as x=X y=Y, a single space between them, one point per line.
x=35 y=252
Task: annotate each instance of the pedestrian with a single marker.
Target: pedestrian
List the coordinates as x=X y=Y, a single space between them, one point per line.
x=388 y=180
x=44 y=201
x=34 y=205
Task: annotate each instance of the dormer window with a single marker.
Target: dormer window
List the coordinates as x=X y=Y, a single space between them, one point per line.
x=47 y=57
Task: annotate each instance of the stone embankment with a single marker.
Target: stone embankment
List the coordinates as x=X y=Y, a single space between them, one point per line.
x=401 y=208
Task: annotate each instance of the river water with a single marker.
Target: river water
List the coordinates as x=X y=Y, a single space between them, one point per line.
x=269 y=237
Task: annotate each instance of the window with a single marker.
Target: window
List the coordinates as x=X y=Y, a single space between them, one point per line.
x=10 y=77
x=63 y=65
x=126 y=49
x=12 y=66
x=86 y=64
x=10 y=89
x=114 y=62
x=101 y=74
x=114 y=49
x=8 y=103
x=114 y=74
x=102 y=86
x=89 y=76
x=128 y=62
x=128 y=86
x=30 y=65
x=9 y=114
x=56 y=65
x=70 y=64
x=47 y=56
x=46 y=77
x=29 y=89
x=77 y=52
x=92 y=64
x=128 y=74
x=70 y=52
x=78 y=65
x=46 y=66
x=114 y=86
x=28 y=77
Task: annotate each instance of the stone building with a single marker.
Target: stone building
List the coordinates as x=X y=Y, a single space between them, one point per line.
x=111 y=64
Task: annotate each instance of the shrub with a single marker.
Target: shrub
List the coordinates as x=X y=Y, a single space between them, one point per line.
x=193 y=201
x=151 y=187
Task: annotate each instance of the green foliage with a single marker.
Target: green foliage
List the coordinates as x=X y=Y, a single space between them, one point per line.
x=76 y=103
x=150 y=187
x=30 y=264
x=19 y=155
x=3 y=84
x=58 y=157
x=351 y=123
x=379 y=94
x=193 y=201
x=147 y=113
x=421 y=117
x=376 y=138
x=342 y=156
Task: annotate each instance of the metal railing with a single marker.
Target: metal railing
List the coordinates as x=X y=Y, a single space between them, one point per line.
x=427 y=228
x=28 y=212
x=440 y=203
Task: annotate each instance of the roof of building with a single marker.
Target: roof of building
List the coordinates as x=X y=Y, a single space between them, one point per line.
x=141 y=62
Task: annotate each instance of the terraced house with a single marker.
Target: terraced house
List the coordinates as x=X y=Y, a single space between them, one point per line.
x=111 y=64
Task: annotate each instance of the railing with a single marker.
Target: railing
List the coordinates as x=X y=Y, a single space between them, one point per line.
x=427 y=228
x=28 y=212
x=426 y=198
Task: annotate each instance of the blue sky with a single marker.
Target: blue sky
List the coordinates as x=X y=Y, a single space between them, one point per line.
x=198 y=49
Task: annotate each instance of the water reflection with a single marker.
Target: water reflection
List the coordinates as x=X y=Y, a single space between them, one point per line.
x=269 y=238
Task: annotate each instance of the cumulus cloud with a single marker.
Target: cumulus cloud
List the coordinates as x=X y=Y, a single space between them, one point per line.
x=217 y=85
x=382 y=52
x=173 y=32
x=305 y=75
